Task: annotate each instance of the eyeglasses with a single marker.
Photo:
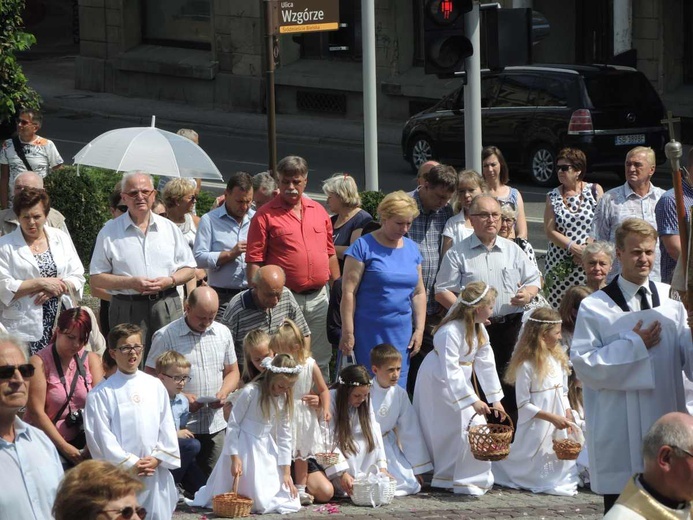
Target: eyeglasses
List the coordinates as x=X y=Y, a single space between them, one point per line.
x=7 y=371
x=122 y=208
x=684 y=451
x=127 y=512
x=507 y=220
x=563 y=167
x=24 y=122
x=487 y=216
x=193 y=198
x=179 y=379
x=133 y=194
x=129 y=349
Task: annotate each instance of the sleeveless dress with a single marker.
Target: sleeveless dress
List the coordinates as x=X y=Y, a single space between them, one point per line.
x=575 y=222
x=188 y=229
x=47 y=269
x=306 y=433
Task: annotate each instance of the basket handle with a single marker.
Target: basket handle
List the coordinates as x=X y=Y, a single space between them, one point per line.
x=493 y=410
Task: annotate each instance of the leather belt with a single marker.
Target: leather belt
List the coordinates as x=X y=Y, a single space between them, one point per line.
x=146 y=297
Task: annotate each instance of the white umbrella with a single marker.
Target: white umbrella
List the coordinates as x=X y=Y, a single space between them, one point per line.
x=148 y=149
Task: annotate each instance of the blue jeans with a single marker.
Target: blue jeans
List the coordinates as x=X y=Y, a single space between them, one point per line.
x=189 y=475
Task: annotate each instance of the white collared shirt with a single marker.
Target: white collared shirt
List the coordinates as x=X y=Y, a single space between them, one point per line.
x=630 y=293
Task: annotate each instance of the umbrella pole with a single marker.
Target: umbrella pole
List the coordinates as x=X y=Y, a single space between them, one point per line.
x=271 y=103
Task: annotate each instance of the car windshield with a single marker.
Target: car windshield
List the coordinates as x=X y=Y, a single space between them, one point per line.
x=620 y=88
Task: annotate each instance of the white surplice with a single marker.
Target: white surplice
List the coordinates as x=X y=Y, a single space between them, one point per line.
x=626 y=386
x=532 y=464
x=443 y=399
x=127 y=417
x=263 y=444
x=394 y=411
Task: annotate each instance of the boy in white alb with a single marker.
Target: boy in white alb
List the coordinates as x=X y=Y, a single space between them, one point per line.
x=398 y=422
x=128 y=422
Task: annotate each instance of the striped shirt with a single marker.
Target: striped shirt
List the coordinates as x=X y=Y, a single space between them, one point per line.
x=668 y=224
x=243 y=315
x=208 y=353
x=504 y=266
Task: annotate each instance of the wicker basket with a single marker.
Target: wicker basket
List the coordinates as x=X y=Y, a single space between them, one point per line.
x=373 y=493
x=566 y=449
x=232 y=505
x=490 y=442
x=327 y=460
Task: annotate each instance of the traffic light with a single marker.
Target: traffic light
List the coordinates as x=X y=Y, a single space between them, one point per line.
x=445 y=43
x=510 y=34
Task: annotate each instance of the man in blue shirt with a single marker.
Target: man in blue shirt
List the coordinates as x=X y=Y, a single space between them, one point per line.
x=29 y=461
x=222 y=238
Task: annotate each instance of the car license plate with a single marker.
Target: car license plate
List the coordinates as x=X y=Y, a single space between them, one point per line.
x=624 y=140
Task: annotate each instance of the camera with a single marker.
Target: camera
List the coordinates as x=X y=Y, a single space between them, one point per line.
x=75 y=418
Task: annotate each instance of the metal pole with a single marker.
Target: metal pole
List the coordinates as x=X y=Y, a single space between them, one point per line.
x=472 y=94
x=269 y=80
x=370 y=108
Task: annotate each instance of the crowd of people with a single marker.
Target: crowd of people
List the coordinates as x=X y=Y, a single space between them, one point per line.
x=274 y=347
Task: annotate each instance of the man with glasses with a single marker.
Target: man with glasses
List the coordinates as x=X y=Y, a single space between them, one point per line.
x=630 y=346
x=26 y=152
x=665 y=488
x=8 y=218
x=636 y=198
x=214 y=374
x=499 y=262
x=30 y=464
x=140 y=258
x=128 y=422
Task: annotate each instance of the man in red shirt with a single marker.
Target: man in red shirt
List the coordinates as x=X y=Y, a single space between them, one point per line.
x=295 y=233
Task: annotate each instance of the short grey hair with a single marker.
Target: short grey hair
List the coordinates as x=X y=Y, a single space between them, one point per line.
x=35 y=176
x=264 y=182
x=672 y=433
x=189 y=134
x=129 y=175
x=343 y=186
x=474 y=207
x=15 y=342
x=600 y=246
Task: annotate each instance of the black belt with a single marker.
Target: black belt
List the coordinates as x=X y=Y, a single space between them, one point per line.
x=309 y=291
x=225 y=291
x=146 y=297
x=505 y=319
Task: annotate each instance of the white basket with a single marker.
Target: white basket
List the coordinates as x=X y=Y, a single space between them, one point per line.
x=366 y=493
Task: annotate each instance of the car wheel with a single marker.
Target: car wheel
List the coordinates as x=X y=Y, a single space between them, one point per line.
x=542 y=166
x=420 y=151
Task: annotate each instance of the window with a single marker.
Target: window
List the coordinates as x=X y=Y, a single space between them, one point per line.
x=180 y=23
x=515 y=91
x=551 y=92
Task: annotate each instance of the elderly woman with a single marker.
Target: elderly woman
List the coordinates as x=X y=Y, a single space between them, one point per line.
x=497 y=175
x=597 y=260
x=65 y=372
x=568 y=216
x=98 y=490
x=507 y=225
x=39 y=272
x=348 y=218
x=382 y=286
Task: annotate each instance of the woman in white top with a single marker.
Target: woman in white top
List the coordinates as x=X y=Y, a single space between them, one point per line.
x=458 y=227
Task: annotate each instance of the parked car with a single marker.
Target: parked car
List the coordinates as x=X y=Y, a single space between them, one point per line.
x=531 y=112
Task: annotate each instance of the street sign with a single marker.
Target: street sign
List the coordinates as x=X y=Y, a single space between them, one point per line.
x=299 y=16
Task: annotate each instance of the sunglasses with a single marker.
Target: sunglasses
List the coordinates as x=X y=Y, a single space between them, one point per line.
x=133 y=194
x=563 y=167
x=24 y=122
x=122 y=208
x=7 y=371
x=127 y=512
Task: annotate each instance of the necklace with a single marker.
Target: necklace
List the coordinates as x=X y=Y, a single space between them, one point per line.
x=37 y=244
x=565 y=199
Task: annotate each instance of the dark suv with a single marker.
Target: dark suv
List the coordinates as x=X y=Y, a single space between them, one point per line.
x=532 y=112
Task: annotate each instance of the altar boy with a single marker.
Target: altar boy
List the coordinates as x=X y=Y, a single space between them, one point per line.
x=398 y=422
x=128 y=422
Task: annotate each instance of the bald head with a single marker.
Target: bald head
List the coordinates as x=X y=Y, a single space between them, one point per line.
x=269 y=285
x=201 y=309
x=9 y=343
x=424 y=169
x=27 y=180
x=270 y=275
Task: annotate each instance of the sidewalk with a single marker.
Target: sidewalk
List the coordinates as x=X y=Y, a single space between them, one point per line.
x=53 y=79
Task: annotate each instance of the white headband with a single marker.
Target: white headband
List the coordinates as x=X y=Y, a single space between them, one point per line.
x=352 y=383
x=474 y=302
x=552 y=322
x=267 y=365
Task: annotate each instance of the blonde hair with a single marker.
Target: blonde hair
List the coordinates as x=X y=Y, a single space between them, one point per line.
x=343 y=186
x=171 y=359
x=397 y=204
x=467 y=313
x=253 y=339
x=531 y=346
x=289 y=340
x=636 y=226
x=267 y=379
x=647 y=151
x=175 y=190
x=468 y=177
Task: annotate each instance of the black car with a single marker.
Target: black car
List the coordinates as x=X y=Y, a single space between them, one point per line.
x=531 y=112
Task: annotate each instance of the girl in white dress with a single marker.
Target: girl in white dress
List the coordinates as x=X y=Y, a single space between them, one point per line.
x=354 y=429
x=445 y=398
x=257 y=448
x=306 y=421
x=539 y=370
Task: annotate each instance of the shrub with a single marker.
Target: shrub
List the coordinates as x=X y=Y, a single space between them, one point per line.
x=370 y=201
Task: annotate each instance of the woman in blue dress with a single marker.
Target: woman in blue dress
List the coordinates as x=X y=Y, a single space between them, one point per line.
x=383 y=295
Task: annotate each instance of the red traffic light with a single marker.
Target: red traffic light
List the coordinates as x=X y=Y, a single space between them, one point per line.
x=447 y=12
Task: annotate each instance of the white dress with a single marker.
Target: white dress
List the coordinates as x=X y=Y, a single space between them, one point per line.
x=405 y=450
x=532 y=463
x=443 y=399
x=306 y=433
x=263 y=445
x=358 y=463
x=127 y=417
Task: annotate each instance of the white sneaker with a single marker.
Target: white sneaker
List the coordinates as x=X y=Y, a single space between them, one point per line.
x=305 y=498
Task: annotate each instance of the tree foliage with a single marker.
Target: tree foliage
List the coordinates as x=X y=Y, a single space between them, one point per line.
x=14 y=89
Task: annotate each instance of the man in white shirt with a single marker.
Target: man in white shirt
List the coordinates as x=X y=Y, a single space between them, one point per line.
x=140 y=258
x=631 y=344
x=214 y=374
x=31 y=468
x=8 y=218
x=664 y=490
